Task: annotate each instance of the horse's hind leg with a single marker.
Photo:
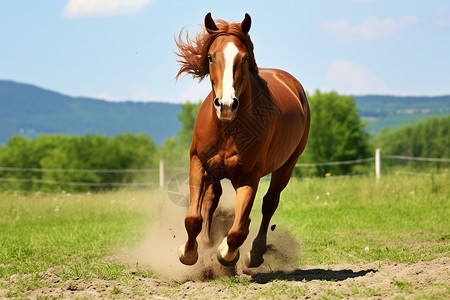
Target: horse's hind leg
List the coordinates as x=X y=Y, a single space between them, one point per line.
x=278 y=182
x=210 y=203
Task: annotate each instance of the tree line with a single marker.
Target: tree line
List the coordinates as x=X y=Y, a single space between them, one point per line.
x=53 y=153
x=337 y=134
x=429 y=138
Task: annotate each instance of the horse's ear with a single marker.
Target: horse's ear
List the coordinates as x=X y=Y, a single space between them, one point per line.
x=210 y=26
x=245 y=25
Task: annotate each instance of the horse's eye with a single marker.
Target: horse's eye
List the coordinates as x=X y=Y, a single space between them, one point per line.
x=210 y=58
x=245 y=59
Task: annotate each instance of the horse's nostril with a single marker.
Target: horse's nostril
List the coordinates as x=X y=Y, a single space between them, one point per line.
x=216 y=102
x=235 y=104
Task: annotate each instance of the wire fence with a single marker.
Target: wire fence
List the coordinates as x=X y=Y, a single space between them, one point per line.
x=32 y=180
x=163 y=172
x=335 y=163
x=77 y=183
x=402 y=157
x=42 y=170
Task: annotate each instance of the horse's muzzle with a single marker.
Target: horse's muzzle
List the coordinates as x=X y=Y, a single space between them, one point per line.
x=226 y=111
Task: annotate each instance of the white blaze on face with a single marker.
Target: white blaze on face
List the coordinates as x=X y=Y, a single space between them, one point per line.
x=228 y=92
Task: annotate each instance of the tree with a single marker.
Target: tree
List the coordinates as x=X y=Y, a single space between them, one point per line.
x=173 y=154
x=175 y=150
x=336 y=133
x=187 y=116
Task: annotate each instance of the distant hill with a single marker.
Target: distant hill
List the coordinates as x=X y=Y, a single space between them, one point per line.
x=394 y=111
x=30 y=111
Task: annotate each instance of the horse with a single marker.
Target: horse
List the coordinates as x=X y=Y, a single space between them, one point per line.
x=254 y=122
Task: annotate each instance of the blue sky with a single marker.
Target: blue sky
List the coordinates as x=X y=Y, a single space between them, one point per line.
x=123 y=49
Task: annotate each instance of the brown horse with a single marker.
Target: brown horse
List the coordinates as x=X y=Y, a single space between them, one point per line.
x=254 y=122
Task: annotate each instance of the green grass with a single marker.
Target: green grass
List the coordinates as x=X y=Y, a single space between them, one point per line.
x=362 y=291
x=398 y=219
x=282 y=290
x=71 y=233
x=335 y=220
x=402 y=285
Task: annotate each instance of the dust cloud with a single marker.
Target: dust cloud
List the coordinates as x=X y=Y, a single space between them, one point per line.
x=159 y=250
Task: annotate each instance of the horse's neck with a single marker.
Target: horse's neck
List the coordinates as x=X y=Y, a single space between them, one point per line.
x=254 y=88
x=249 y=92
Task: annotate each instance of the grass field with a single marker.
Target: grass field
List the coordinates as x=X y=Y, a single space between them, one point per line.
x=69 y=233
x=400 y=219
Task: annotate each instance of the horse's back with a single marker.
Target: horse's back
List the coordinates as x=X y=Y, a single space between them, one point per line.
x=292 y=114
x=286 y=90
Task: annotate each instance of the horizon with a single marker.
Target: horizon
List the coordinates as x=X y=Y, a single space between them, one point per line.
x=124 y=51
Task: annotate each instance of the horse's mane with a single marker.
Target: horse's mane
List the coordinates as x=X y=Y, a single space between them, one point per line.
x=193 y=53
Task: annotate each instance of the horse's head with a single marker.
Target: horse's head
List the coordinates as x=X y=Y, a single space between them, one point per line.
x=225 y=52
x=228 y=59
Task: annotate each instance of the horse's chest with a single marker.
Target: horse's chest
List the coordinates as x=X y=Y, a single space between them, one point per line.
x=232 y=151
x=223 y=164
x=222 y=159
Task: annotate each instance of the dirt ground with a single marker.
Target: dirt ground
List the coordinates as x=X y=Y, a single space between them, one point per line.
x=376 y=280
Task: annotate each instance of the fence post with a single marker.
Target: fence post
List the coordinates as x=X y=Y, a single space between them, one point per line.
x=161 y=174
x=378 y=163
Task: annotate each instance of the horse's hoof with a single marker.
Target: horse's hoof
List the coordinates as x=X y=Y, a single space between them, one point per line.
x=188 y=258
x=253 y=261
x=227 y=263
x=223 y=251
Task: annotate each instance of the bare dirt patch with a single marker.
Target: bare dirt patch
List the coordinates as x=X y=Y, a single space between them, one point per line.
x=425 y=279
x=159 y=251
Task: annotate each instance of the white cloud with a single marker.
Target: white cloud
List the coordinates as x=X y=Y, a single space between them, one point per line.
x=102 y=8
x=442 y=15
x=352 y=78
x=370 y=29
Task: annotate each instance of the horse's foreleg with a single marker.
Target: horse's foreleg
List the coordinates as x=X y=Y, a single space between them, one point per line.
x=278 y=182
x=228 y=251
x=210 y=203
x=187 y=253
